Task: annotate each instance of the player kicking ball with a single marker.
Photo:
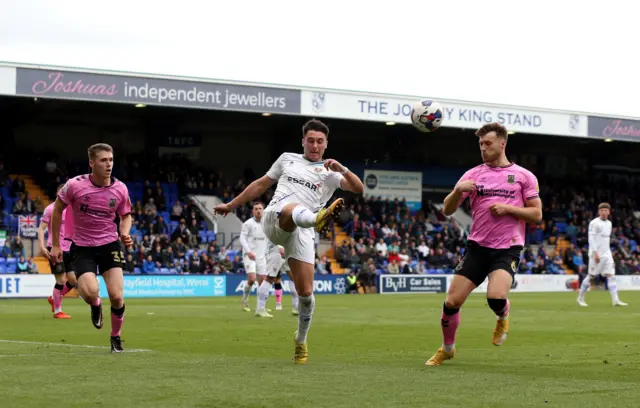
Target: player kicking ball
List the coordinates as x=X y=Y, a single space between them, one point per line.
x=95 y=200
x=600 y=256
x=504 y=196
x=254 y=246
x=276 y=264
x=62 y=271
x=305 y=184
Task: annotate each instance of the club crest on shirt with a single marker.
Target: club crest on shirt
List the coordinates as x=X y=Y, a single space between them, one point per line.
x=316 y=169
x=112 y=203
x=511 y=178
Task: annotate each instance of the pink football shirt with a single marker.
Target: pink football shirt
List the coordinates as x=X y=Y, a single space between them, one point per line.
x=511 y=185
x=65 y=245
x=94 y=209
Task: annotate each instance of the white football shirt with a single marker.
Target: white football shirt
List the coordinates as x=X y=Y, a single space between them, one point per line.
x=302 y=181
x=253 y=239
x=600 y=237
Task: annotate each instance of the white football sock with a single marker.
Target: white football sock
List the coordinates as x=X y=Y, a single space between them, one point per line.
x=307 y=304
x=303 y=217
x=263 y=295
x=586 y=283
x=247 y=291
x=294 y=295
x=613 y=288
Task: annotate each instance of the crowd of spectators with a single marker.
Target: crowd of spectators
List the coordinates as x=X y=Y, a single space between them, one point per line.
x=383 y=236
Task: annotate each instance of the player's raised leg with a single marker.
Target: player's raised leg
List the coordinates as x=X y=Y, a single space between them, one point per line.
x=458 y=292
x=295 y=215
x=114 y=280
x=500 y=282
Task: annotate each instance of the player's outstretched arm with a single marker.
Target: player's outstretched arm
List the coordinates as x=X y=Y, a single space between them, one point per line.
x=253 y=191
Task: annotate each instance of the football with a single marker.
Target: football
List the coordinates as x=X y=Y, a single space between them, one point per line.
x=426 y=115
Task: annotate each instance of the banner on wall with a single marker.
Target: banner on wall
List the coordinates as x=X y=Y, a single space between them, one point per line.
x=395 y=184
x=616 y=129
x=154 y=91
x=456 y=114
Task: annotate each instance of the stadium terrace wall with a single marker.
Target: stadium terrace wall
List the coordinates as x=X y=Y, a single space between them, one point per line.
x=174 y=286
x=131 y=88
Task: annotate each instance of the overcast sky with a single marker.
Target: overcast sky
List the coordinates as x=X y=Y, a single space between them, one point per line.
x=561 y=54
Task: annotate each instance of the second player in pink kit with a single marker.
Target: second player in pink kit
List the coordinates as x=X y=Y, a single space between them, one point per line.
x=504 y=197
x=63 y=271
x=95 y=200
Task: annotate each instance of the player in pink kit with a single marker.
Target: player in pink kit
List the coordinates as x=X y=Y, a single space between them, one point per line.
x=504 y=197
x=95 y=200
x=63 y=271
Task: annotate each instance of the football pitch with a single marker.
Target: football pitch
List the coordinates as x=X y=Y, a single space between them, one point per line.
x=363 y=351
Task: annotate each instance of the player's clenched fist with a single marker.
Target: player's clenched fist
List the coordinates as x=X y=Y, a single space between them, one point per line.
x=222 y=209
x=334 y=165
x=466 y=186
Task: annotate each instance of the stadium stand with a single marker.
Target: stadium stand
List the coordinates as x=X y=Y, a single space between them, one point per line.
x=375 y=237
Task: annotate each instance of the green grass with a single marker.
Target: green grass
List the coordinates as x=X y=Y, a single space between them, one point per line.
x=364 y=351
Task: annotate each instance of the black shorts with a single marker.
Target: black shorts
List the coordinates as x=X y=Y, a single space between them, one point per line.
x=97 y=259
x=478 y=262
x=61 y=267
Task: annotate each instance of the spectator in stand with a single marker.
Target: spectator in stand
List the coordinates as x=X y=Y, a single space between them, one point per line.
x=160 y=227
x=176 y=211
x=149 y=265
x=150 y=208
x=129 y=264
x=17 y=247
x=322 y=266
x=160 y=200
x=23 y=265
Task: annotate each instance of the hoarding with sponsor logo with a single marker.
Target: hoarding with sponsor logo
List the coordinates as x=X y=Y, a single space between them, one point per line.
x=50 y=83
x=394 y=284
x=322 y=285
x=164 y=286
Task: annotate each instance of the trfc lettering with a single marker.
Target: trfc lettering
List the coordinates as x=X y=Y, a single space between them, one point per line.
x=305 y=183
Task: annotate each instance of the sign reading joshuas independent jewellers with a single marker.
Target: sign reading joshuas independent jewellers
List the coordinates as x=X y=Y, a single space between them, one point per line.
x=617 y=129
x=166 y=92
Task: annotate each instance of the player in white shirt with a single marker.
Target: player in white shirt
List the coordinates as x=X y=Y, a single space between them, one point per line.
x=305 y=184
x=276 y=264
x=600 y=257
x=254 y=247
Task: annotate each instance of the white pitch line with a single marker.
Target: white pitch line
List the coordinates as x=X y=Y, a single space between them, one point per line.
x=71 y=345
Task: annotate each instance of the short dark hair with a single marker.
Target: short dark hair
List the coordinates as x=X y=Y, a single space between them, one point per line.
x=500 y=130
x=98 y=147
x=257 y=203
x=316 y=125
x=604 y=205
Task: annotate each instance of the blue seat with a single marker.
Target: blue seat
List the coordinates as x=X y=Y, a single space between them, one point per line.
x=3 y=269
x=11 y=268
x=12 y=261
x=3 y=261
x=137 y=271
x=211 y=236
